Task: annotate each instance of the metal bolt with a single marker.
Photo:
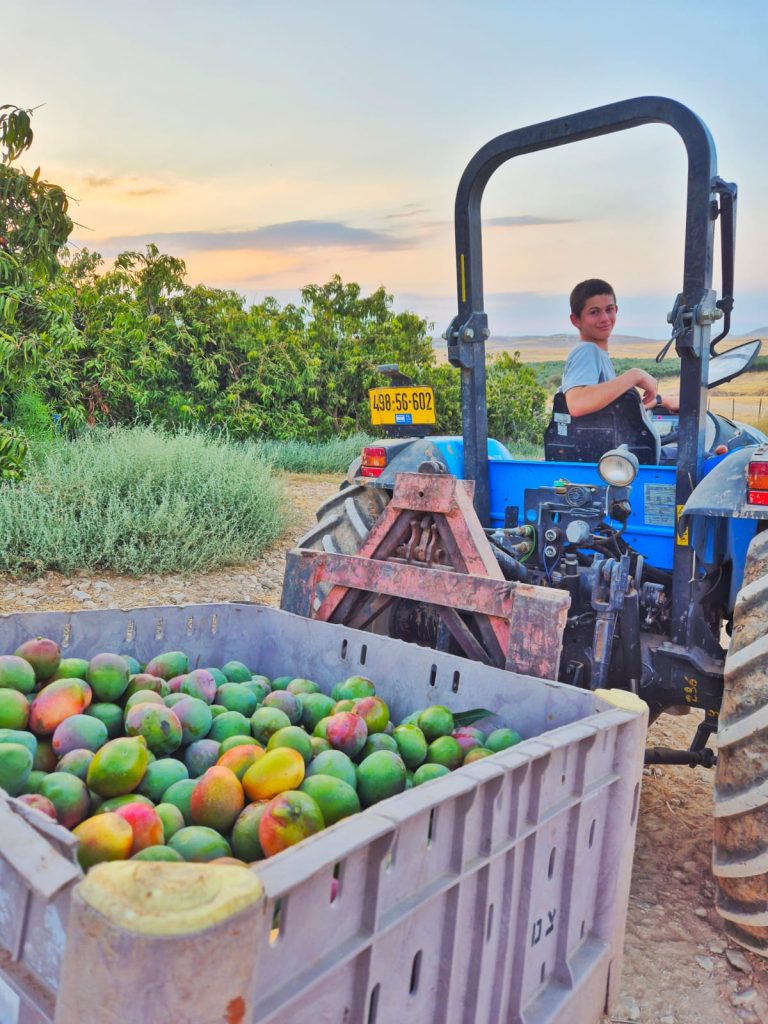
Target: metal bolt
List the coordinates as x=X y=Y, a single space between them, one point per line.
x=469 y=334
x=550 y=551
x=550 y=535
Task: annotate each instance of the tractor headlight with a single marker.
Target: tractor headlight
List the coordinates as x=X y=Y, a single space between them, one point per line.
x=618 y=467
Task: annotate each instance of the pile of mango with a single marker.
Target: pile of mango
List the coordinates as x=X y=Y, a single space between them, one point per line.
x=160 y=762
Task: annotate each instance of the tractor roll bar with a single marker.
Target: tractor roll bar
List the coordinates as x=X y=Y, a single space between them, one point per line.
x=694 y=308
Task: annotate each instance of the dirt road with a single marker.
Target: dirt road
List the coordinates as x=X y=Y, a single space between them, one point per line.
x=678 y=967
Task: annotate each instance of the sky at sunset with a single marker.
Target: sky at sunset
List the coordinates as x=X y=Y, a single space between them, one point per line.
x=273 y=143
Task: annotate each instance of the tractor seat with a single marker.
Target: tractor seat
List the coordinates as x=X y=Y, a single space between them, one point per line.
x=585 y=438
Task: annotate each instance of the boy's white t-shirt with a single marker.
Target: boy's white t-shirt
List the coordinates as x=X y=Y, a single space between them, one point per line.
x=586 y=364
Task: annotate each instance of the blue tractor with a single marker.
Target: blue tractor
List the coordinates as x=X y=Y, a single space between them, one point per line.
x=653 y=524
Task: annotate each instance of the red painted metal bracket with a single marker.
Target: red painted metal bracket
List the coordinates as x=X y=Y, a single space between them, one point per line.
x=429 y=546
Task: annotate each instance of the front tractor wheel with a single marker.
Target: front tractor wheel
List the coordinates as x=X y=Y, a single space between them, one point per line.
x=740 y=858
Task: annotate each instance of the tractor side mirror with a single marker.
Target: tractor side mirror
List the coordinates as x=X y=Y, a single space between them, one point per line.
x=730 y=364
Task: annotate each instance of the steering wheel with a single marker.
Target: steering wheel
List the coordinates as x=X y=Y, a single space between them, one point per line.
x=672 y=436
x=711 y=434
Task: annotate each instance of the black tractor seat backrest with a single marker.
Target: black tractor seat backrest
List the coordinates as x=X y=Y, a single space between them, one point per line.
x=585 y=438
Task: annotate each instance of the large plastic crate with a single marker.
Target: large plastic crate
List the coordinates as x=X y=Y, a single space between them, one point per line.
x=496 y=893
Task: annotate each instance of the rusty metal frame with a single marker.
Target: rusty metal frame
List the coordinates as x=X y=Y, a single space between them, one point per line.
x=520 y=626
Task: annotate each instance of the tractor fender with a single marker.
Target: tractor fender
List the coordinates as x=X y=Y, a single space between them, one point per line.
x=723 y=491
x=404 y=455
x=717 y=519
x=439 y=454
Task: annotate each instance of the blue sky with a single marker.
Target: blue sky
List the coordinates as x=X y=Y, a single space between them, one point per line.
x=272 y=144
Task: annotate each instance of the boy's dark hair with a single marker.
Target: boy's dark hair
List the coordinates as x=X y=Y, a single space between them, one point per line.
x=586 y=290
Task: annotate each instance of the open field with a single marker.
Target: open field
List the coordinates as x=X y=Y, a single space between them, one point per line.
x=744 y=399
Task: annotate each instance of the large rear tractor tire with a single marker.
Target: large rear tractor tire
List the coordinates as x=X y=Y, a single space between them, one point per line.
x=345 y=519
x=740 y=857
x=343 y=522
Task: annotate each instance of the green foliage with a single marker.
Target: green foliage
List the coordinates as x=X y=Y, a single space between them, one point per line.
x=516 y=401
x=332 y=456
x=527 y=450
x=13 y=451
x=140 y=501
x=32 y=416
x=34 y=224
x=150 y=349
x=134 y=344
x=550 y=373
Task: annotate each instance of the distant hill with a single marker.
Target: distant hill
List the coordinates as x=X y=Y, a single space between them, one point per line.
x=545 y=348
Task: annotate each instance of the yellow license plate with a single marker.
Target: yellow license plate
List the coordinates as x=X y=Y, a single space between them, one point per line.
x=401 y=406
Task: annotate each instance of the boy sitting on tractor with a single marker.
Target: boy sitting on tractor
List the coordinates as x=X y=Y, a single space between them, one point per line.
x=589 y=379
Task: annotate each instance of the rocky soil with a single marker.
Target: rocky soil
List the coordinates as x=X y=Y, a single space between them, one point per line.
x=678 y=967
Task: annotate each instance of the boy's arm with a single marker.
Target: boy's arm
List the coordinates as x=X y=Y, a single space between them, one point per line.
x=588 y=398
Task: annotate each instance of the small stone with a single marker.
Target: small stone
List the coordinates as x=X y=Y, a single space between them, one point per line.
x=700 y=911
x=717 y=947
x=30 y=591
x=668 y=1018
x=706 y=963
x=81 y=595
x=101 y=586
x=738 y=961
x=680 y=876
x=89 y=604
x=178 y=597
x=690 y=866
x=267 y=585
x=743 y=998
x=628 y=1008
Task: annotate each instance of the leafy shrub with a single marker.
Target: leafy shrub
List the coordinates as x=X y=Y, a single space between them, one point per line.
x=150 y=349
x=13 y=452
x=32 y=416
x=516 y=400
x=35 y=314
x=140 y=501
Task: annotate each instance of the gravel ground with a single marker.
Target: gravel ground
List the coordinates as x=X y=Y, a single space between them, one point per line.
x=678 y=966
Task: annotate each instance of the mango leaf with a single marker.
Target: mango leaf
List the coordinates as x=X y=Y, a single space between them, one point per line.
x=473 y=715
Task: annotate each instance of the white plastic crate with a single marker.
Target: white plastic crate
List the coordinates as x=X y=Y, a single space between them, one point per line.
x=496 y=893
